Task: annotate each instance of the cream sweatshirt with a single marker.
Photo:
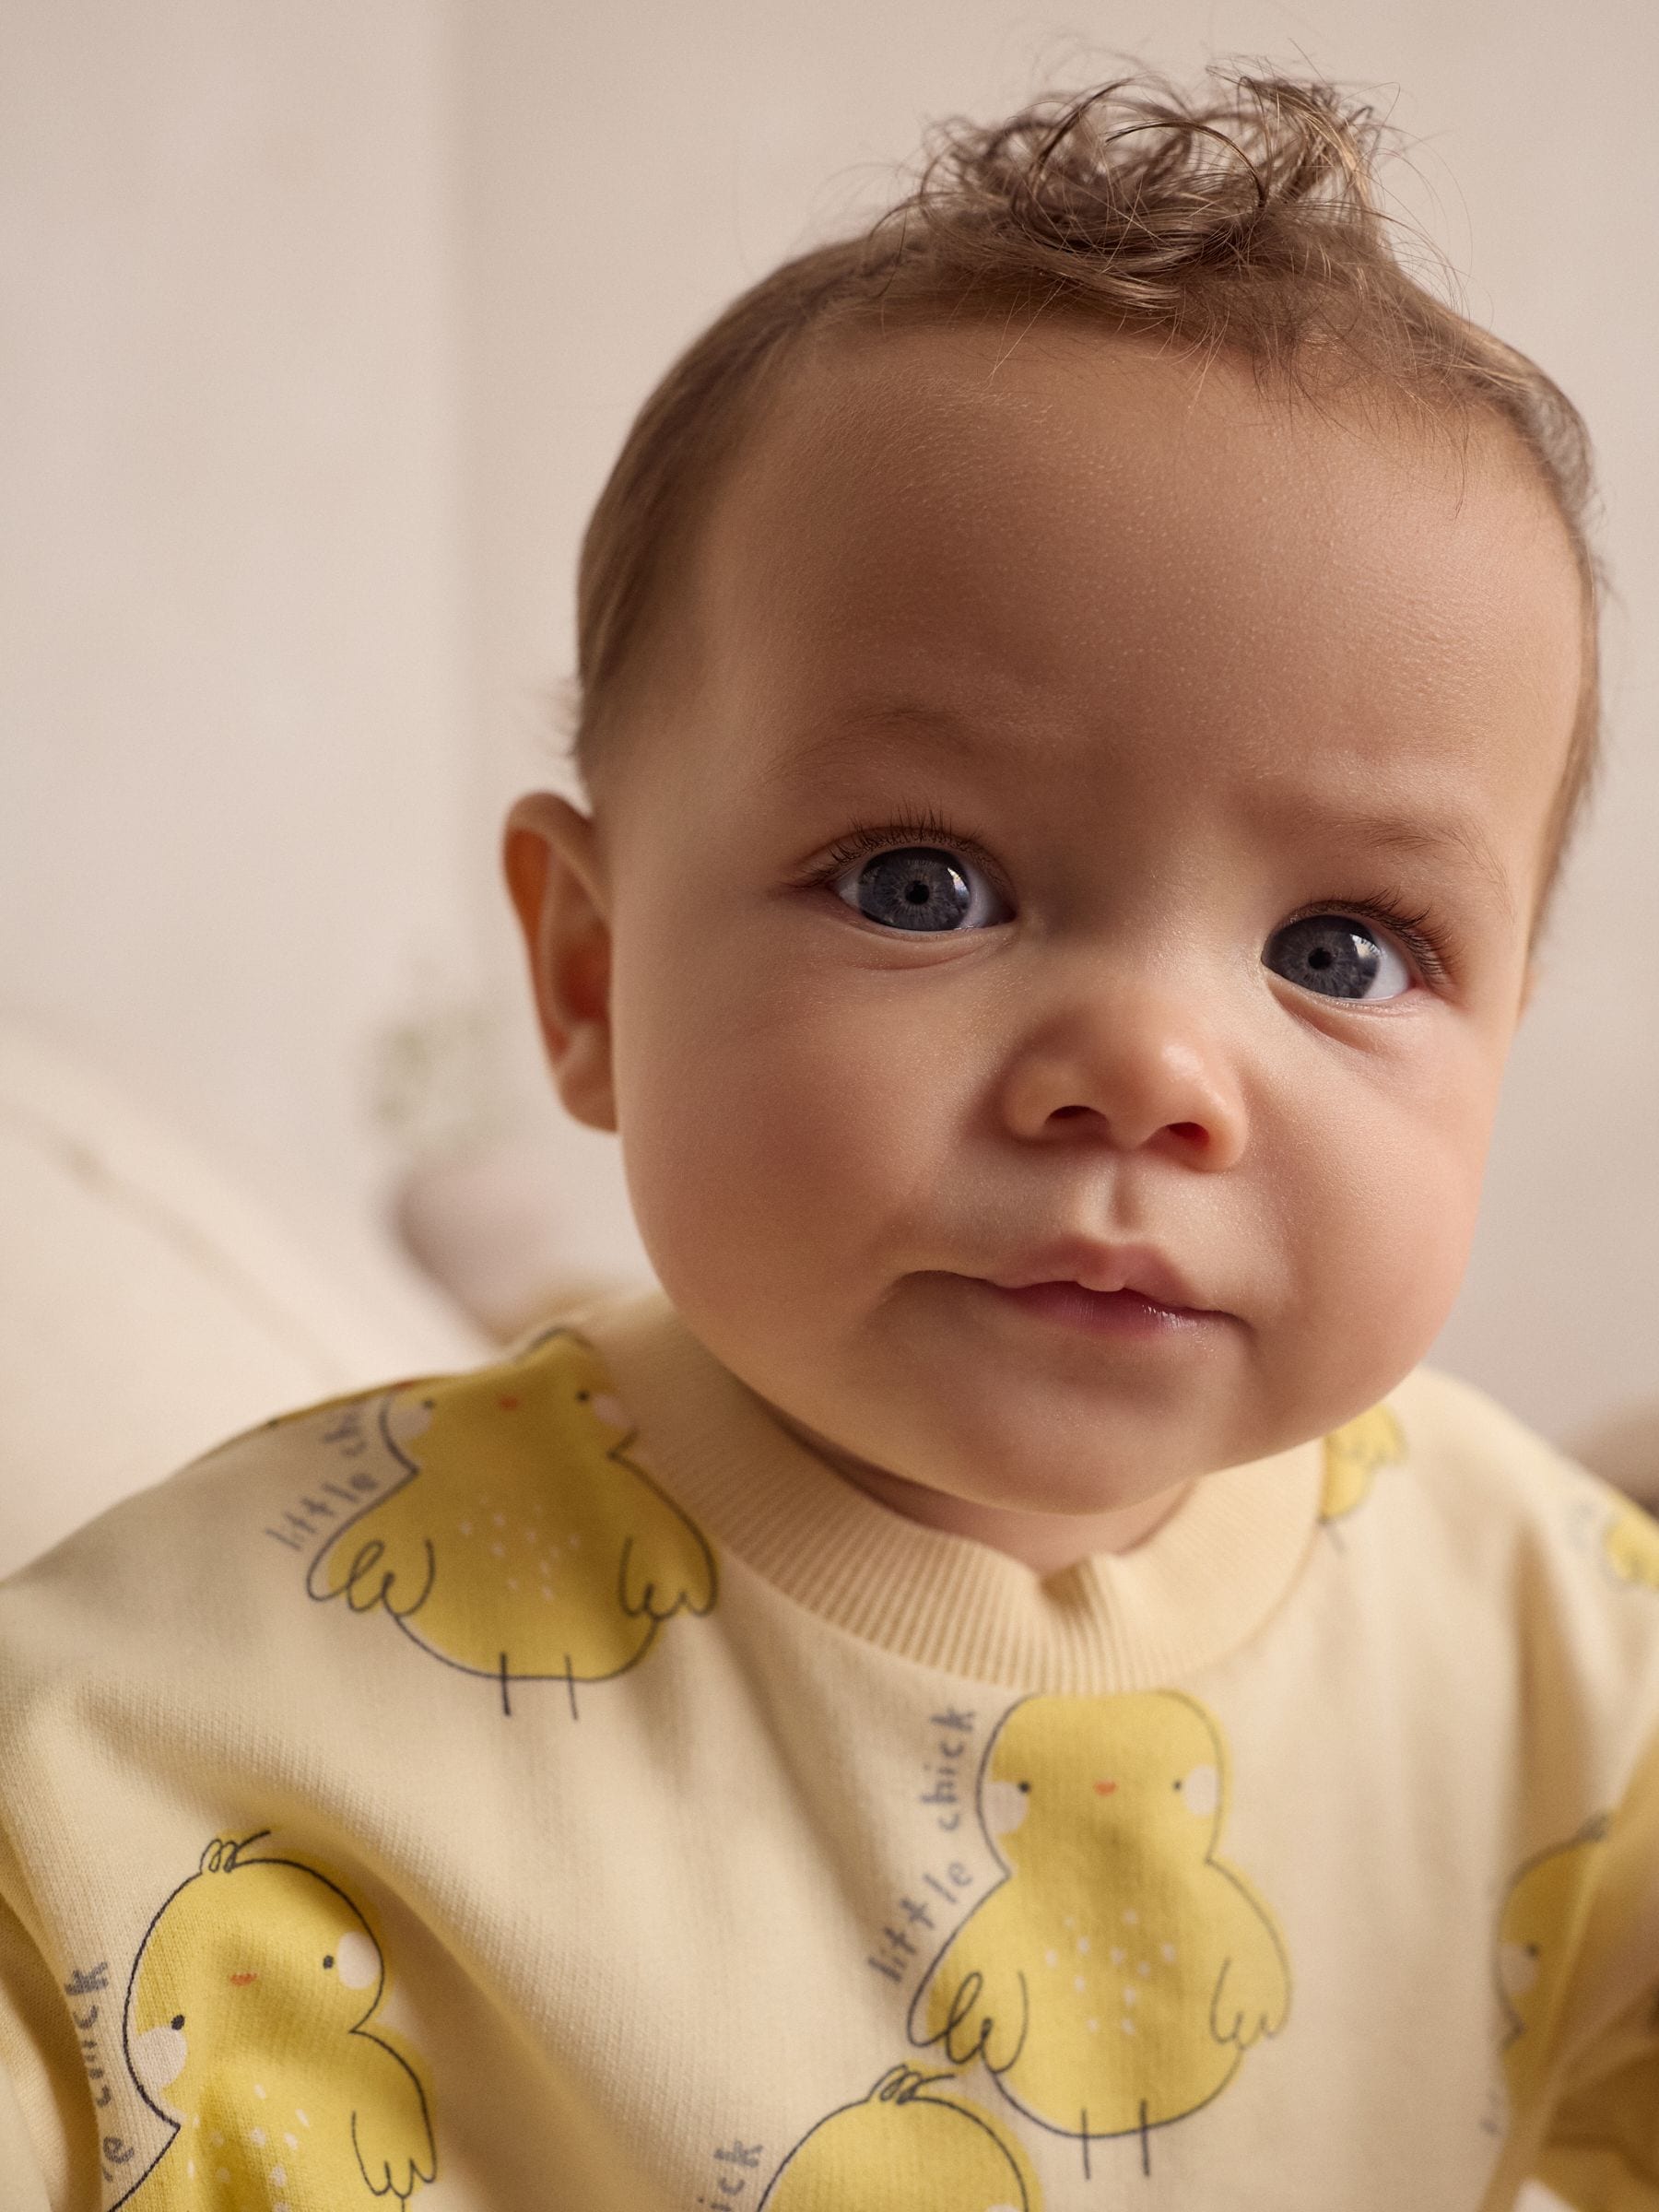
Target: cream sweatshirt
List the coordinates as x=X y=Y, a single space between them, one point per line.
x=554 y=1786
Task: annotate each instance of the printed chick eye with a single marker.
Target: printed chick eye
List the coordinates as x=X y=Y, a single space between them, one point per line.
x=921 y=887
x=1338 y=956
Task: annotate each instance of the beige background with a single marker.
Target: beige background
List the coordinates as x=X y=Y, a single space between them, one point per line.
x=322 y=322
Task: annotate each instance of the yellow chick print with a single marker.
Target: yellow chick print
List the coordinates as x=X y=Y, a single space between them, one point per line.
x=526 y=1542
x=1116 y=1976
x=1630 y=1543
x=1538 y=1935
x=246 y=2027
x=1352 y=1455
x=906 y=2147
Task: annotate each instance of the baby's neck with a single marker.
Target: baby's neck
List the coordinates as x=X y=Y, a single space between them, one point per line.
x=1047 y=1542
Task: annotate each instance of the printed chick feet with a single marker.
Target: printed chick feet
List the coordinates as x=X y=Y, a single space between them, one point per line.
x=246 y=2027
x=1114 y=1978
x=1538 y=1936
x=907 y=2147
x=1352 y=1455
x=526 y=1541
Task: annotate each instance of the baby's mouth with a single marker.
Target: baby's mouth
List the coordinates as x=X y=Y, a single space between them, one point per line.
x=1081 y=1264
x=1124 y=1313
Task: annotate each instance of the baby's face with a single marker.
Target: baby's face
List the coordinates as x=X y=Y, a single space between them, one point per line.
x=1089 y=835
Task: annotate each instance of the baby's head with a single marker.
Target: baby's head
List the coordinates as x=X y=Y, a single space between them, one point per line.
x=1085 y=692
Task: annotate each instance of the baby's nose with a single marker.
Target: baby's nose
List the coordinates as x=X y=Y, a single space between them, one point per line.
x=1132 y=1066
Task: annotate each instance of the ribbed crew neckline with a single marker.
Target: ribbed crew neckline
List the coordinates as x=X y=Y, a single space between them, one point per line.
x=1192 y=1592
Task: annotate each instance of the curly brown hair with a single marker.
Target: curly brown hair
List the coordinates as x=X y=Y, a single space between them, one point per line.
x=1243 y=218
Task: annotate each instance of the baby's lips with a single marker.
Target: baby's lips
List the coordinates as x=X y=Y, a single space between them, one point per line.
x=1140 y=1268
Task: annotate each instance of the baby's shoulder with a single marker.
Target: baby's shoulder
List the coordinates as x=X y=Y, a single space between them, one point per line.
x=211 y=1553
x=1483 y=1467
x=1564 y=1556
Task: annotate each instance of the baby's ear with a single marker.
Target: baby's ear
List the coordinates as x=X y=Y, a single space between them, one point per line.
x=551 y=856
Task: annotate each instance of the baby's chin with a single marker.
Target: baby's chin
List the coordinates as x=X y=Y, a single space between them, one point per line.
x=1032 y=1443
x=1060 y=1491
x=1047 y=1526
x=1023 y=1467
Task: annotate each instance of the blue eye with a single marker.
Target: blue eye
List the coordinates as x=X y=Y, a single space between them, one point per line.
x=920 y=887
x=1338 y=956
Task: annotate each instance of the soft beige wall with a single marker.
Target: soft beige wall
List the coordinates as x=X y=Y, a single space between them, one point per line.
x=629 y=168
x=232 y=745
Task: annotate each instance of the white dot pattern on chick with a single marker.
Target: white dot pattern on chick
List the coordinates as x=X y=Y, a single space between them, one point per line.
x=258 y=2166
x=288 y=2008
x=527 y=1543
x=1113 y=1870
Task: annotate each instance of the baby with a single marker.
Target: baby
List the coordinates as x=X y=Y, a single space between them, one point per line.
x=1004 y=1685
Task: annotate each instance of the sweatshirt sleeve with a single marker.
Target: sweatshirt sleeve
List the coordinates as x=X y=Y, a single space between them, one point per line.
x=51 y=2043
x=47 y=2158
x=22 y=2184
x=1599 y=2147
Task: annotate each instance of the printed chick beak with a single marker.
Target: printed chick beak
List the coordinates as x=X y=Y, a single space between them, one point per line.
x=1104 y=1789
x=241 y=1981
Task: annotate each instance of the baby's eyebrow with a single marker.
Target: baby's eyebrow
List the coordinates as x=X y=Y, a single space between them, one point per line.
x=865 y=719
x=1434 y=836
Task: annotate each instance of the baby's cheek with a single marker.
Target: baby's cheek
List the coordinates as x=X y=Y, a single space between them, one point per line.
x=1383 y=1240
x=782 y=1145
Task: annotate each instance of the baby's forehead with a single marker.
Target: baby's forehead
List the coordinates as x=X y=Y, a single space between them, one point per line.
x=880 y=468
x=1089 y=510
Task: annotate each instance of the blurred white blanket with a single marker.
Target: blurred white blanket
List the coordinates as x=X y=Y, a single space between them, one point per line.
x=148 y=1308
